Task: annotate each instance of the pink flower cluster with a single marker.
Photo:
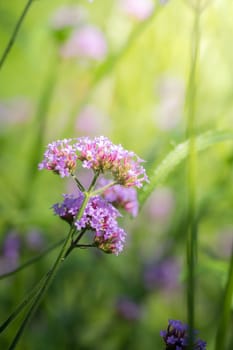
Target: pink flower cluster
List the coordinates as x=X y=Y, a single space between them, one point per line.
x=98 y=154
x=60 y=157
x=101 y=155
x=99 y=216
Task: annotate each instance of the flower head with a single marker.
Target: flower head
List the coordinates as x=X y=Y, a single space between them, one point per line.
x=101 y=155
x=98 y=154
x=99 y=216
x=60 y=157
x=176 y=337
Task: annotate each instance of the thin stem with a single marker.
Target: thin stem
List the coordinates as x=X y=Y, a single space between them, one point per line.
x=74 y=243
x=102 y=189
x=96 y=175
x=14 y=34
x=80 y=186
x=92 y=245
x=31 y=261
x=191 y=177
x=220 y=342
x=50 y=276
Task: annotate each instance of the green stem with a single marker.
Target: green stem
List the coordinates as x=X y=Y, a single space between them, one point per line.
x=51 y=274
x=96 y=175
x=14 y=34
x=31 y=261
x=191 y=178
x=102 y=189
x=80 y=186
x=74 y=243
x=220 y=342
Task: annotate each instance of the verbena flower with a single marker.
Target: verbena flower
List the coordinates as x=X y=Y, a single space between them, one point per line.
x=121 y=197
x=98 y=154
x=60 y=157
x=99 y=216
x=176 y=337
x=101 y=155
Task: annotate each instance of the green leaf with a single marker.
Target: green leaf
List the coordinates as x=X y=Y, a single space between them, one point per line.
x=159 y=172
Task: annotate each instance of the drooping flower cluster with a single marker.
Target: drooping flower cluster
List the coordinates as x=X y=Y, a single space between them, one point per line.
x=121 y=197
x=98 y=154
x=176 y=337
x=60 y=157
x=99 y=216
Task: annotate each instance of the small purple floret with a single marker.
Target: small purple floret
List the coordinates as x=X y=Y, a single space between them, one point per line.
x=176 y=337
x=60 y=157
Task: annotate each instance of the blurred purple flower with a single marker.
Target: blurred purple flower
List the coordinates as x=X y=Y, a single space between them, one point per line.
x=92 y=122
x=162 y=275
x=87 y=42
x=68 y=16
x=225 y=242
x=10 y=252
x=128 y=309
x=34 y=240
x=176 y=337
x=121 y=197
x=171 y=95
x=11 y=246
x=15 y=111
x=161 y=204
x=137 y=9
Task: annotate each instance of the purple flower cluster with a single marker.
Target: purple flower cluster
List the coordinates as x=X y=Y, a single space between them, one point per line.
x=121 y=197
x=60 y=157
x=99 y=154
x=99 y=216
x=176 y=337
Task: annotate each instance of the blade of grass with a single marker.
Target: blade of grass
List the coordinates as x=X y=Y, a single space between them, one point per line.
x=14 y=34
x=159 y=172
x=50 y=276
x=224 y=318
x=31 y=261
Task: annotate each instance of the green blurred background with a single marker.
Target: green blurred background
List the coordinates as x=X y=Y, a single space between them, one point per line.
x=135 y=95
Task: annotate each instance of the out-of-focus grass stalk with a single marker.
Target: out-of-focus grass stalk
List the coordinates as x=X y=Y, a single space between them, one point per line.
x=50 y=276
x=220 y=342
x=32 y=261
x=15 y=32
x=111 y=62
x=38 y=129
x=192 y=229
